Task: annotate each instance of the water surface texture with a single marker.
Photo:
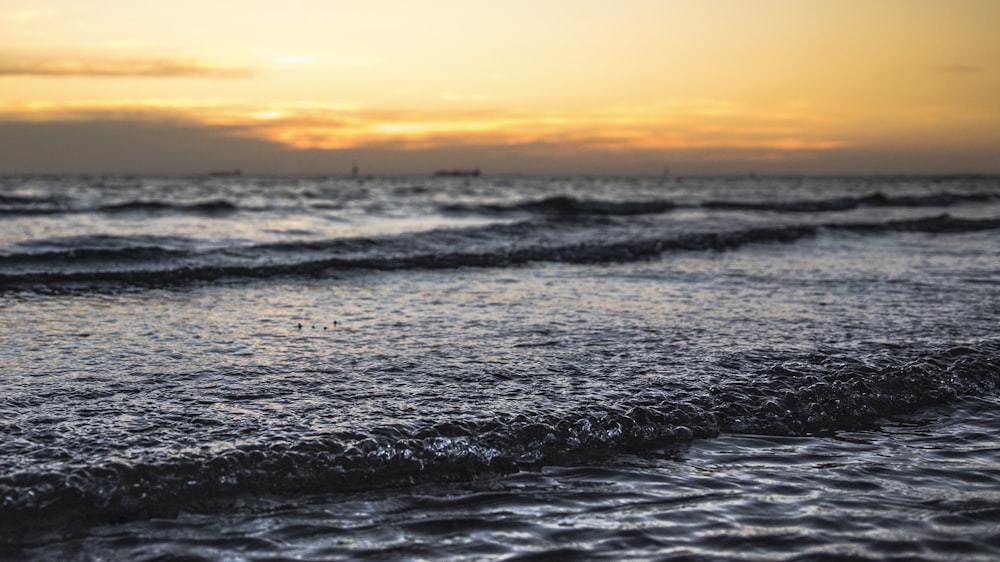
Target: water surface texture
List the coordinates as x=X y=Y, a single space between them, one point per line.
x=277 y=368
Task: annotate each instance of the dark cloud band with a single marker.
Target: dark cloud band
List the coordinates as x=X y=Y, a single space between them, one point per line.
x=121 y=69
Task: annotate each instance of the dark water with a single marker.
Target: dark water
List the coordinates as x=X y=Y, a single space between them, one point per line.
x=323 y=368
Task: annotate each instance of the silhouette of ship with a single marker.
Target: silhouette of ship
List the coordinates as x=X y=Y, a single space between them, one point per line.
x=471 y=173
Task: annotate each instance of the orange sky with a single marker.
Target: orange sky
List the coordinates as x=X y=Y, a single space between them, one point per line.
x=582 y=86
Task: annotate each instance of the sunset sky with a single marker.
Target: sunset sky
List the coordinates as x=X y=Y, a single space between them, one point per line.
x=540 y=86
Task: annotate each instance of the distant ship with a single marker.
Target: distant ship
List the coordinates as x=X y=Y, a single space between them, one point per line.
x=458 y=173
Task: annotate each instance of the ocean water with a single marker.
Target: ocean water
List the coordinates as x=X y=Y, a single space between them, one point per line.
x=513 y=368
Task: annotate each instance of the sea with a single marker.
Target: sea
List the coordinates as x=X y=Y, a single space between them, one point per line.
x=262 y=368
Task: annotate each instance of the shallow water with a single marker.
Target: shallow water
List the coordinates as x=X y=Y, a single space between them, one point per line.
x=924 y=487
x=295 y=368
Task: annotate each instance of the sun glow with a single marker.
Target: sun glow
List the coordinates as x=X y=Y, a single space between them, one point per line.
x=680 y=80
x=268 y=115
x=293 y=59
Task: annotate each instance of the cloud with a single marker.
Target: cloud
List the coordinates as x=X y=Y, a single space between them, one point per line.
x=700 y=131
x=161 y=141
x=123 y=145
x=104 y=67
x=673 y=126
x=178 y=146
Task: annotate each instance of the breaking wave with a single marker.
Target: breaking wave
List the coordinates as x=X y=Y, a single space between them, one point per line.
x=558 y=205
x=119 y=263
x=828 y=391
x=564 y=205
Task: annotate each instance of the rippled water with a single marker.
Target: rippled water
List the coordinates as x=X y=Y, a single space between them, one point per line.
x=919 y=488
x=317 y=368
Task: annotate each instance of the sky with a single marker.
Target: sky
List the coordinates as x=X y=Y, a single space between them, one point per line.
x=607 y=87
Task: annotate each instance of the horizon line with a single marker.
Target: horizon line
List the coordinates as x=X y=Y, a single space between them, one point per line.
x=431 y=174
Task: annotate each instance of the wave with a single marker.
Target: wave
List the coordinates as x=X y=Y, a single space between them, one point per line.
x=11 y=200
x=217 y=206
x=30 y=206
x=146 y=266
x=821 y=393
x=566 y=205
x=571 y=206
x=877 y=199
x=55 y=253
x=555 y=206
